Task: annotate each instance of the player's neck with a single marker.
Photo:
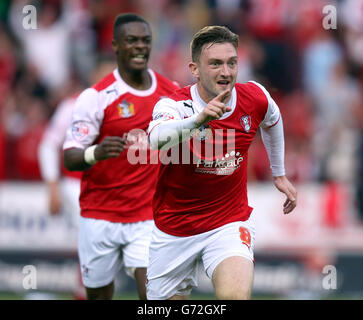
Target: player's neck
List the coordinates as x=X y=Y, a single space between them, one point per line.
x=139 y=80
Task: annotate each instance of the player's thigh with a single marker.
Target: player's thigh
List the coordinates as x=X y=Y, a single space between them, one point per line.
x=233 y=278
x=136 y=252
x=137 y=241
x=173 y=266
x=230 y=247
x=99 y=254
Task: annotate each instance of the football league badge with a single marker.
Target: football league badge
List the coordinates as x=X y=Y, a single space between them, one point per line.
x=126 y=109
x=246 y=122
x=80 y=130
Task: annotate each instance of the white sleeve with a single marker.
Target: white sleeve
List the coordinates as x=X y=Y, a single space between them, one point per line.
x=168 y=125
x=165 y=109
x=87 y=118
x=52 y=140
x=272 y=133
x=273 y=139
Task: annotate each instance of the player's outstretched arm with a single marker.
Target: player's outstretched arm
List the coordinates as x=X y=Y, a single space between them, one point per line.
x=285 y=186
x=173 y=131
x=76 y=159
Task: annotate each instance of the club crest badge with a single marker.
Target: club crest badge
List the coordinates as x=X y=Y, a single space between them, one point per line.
x=246 y=122
x=126 y=109
x=245 y=236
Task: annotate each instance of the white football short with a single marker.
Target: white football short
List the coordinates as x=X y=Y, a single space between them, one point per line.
x=174 y=262
x=103 y=246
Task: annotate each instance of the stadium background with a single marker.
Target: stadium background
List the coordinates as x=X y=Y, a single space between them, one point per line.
x=315 y=75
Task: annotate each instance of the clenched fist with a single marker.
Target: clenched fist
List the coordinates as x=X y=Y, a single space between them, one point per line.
x=110 y=147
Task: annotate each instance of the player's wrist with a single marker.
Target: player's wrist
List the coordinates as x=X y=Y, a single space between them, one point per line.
x=278 y=176
x=89 y=155
x=200 y=120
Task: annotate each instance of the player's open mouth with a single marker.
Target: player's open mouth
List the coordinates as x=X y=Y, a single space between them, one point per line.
x=139 y=58
x=223 y=83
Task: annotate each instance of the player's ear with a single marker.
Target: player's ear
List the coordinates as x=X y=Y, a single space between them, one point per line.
x=114 y=46
x=193 y=67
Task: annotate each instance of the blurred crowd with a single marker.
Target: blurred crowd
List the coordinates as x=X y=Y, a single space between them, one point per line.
x=314 y=74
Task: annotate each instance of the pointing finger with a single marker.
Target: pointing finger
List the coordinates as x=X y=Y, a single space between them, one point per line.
x=223 y=95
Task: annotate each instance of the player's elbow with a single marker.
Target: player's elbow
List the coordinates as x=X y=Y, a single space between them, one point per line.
x=154 y=139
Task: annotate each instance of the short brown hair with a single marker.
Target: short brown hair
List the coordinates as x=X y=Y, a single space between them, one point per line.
x=211 y=34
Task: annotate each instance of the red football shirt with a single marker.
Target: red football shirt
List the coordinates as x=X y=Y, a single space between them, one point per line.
x=211 y=190
x=115 y=189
